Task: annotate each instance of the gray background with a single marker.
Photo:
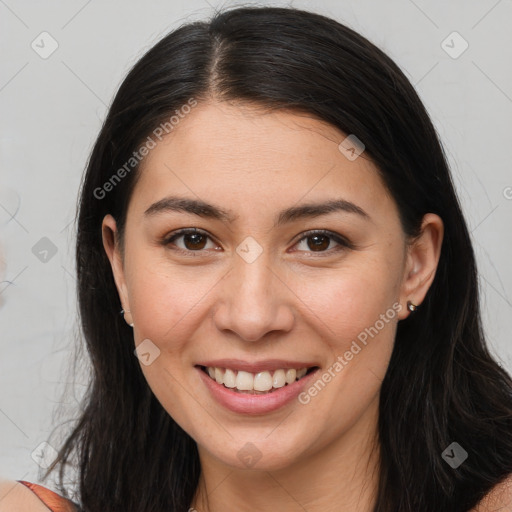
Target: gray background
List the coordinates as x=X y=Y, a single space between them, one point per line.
x=51 y=112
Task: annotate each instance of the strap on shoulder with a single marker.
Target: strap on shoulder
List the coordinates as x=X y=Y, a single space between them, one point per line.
x=50 y=498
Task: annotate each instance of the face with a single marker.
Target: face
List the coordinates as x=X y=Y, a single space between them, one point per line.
x=262 y=288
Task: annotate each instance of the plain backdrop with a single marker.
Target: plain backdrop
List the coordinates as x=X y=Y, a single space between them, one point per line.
x=52 y=107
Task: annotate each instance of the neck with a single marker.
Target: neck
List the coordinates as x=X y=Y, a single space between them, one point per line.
x=342 y=476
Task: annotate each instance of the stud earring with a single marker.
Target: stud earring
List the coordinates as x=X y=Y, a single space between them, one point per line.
x=126 y=311
x=411 y=307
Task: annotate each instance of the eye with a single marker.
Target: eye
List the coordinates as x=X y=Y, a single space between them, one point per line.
x=194 y=240
x=321 y=241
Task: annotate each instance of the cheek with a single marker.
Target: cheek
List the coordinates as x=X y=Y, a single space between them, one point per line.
x=353 y=298
x=355 y=314
x=166 y=301
x=166 y=305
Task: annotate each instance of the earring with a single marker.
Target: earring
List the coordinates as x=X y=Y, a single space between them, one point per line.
x=411 y=307
x=126 y=311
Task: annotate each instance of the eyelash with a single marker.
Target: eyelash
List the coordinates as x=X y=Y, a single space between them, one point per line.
x=343 y=242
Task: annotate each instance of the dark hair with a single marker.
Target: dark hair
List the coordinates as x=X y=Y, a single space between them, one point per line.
x=442 y=385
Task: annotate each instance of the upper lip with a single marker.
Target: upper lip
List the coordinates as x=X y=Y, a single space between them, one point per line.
x=256 y=366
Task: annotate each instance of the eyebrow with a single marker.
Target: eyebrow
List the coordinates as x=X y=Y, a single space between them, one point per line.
x=206 y=210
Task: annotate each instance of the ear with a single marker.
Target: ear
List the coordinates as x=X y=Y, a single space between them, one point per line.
x=110 y=238
x=421 y=263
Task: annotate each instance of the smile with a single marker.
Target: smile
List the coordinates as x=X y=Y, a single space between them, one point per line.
x=263 y=382
x=255 y=387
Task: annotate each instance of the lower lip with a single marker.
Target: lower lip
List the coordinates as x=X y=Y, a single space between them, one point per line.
x=245 y=403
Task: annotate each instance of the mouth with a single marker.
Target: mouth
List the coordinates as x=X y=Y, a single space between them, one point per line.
x=259 y=383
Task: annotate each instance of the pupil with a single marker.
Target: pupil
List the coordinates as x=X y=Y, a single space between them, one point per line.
x=194 y=243
x=320 y=245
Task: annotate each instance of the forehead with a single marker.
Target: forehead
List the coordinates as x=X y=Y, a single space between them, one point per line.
x=256 y=160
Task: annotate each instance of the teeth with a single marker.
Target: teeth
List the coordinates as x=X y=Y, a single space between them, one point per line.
x=219 y=375
x=290 y=375
x=259 y=382
x=229 y=378
x=301 y=373
x=263 y=381
x=244 y=381
x=279 y=379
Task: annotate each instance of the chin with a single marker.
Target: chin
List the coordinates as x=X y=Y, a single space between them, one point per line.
x=258 y=453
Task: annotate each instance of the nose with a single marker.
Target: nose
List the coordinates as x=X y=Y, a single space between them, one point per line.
x=254 y=300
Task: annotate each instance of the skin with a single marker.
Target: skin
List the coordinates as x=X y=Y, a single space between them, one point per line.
x=294 y=302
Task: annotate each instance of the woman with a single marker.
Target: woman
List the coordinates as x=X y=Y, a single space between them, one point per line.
x=269 y=207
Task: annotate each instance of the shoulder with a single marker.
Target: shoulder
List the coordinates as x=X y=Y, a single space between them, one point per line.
x=498 y=498
x=16 y=497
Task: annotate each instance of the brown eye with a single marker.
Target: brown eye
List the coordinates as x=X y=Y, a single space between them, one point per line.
x=193 y=240
x=320 y=241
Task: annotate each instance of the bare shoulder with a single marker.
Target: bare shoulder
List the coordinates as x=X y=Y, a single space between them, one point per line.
x=16 y=497
x=498 y=498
